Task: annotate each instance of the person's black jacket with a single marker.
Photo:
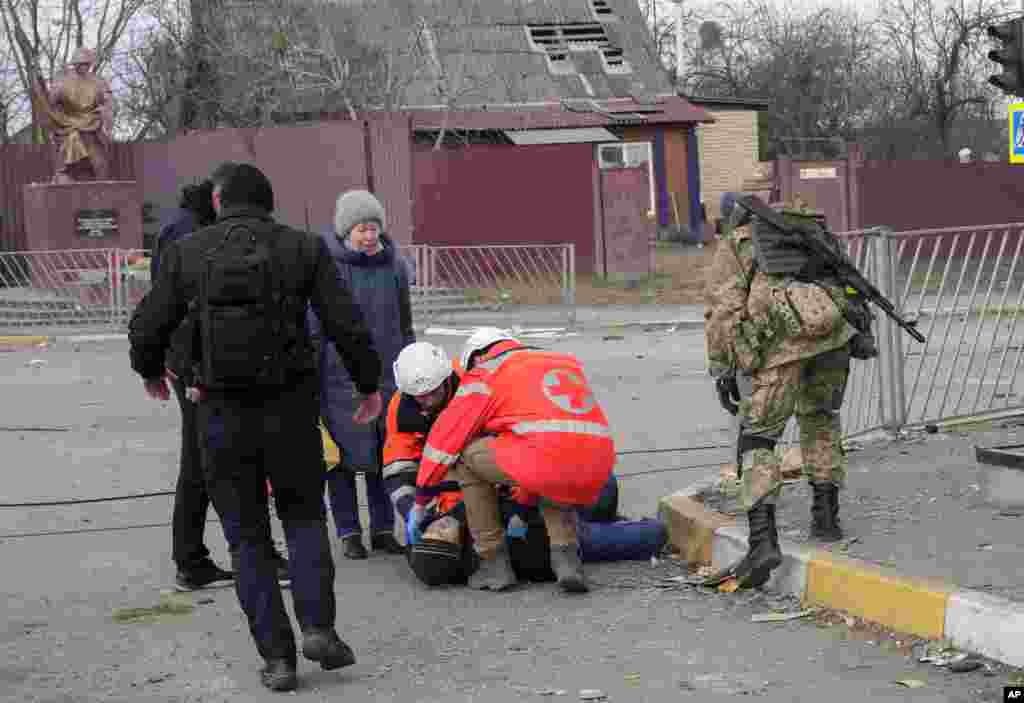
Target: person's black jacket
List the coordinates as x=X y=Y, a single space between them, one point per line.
x=310 y=276
x=182 y=223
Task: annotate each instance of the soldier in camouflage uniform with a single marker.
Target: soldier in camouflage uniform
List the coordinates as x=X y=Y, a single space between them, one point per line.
x=792 y=339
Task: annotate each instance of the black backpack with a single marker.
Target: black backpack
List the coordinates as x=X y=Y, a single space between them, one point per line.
x=247 y=331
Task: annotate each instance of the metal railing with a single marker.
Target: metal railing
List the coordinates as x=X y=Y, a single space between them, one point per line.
x=964 y=289
x=97 y=289
x=532 y=273
x=44 y=289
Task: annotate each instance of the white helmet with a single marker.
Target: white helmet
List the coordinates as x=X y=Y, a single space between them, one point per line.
x=421 y=367
x=482 y=338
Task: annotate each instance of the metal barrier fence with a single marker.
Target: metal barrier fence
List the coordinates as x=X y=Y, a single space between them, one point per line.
x=496 y=275
x=47 y=289
x=964 y=289
x=96 y=289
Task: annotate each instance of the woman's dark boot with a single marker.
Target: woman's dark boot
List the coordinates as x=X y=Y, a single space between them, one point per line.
x=825 y=512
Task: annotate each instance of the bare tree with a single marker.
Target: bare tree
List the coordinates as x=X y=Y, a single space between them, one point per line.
x=936 y=61
x=810 y=65
x=12 y=102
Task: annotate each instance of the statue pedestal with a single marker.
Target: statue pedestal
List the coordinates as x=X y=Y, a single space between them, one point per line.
x=83 y=215
x=76 y=232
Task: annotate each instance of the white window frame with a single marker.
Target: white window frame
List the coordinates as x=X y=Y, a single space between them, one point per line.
x=633 y=154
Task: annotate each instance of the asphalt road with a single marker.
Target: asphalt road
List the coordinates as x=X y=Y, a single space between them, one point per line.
x=635 y=637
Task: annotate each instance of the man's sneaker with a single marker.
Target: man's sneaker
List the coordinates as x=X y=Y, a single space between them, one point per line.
x=284 y=578
x=205 y=574
x=323 y=645
x=279 y=675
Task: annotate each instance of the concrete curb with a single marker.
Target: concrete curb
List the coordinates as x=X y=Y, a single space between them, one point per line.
x=973 y=621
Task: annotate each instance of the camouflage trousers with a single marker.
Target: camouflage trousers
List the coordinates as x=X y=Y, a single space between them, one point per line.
x=812 y=390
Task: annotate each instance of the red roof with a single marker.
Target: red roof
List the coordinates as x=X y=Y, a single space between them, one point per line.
x=608 y=113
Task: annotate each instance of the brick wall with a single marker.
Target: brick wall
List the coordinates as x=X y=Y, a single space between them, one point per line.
x=728 y=154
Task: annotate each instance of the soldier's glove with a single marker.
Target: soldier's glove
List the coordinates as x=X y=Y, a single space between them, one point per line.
x=728 y=393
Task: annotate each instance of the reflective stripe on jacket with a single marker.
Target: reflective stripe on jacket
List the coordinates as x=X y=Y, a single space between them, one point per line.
x=551 y=435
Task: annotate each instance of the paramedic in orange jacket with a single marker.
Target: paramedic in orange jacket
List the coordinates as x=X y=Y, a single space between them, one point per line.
x=524 y=417
x=413 y=408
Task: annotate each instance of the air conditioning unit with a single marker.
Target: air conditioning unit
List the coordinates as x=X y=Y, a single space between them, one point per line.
x=611 y=156
x=624 y=155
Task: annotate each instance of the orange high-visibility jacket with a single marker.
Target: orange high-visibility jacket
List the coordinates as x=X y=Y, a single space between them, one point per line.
x=551 y=435
x=404 y=450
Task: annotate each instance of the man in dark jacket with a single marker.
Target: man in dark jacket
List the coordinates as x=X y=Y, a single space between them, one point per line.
x=195 y=568
x=265 y=432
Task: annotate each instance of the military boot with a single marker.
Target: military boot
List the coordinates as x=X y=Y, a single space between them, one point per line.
x=825 y=512
x=568 y=568
x=494 y=574
x=763 y=554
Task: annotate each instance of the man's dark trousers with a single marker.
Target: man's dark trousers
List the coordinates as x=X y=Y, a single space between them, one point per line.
x=248 y=437
x=191 y=499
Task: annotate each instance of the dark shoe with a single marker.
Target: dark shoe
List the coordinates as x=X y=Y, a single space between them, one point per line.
x=354 y=548
x=204 y=574
x=284 y=578
x=386 y=542
x=326 y=648
x=568 y=568
x=279 y=675
x=825 y=512
x=494 y=574
x=763 y=553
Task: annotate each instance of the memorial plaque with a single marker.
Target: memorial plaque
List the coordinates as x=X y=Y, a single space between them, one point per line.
x=96 y=224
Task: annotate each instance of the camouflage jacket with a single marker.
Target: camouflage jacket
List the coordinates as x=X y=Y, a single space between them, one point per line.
x=754 y=320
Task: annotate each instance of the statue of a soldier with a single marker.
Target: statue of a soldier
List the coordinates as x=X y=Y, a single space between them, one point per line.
x=81 y=112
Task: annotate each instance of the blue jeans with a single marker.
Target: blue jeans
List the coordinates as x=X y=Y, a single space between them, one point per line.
x=341 y=485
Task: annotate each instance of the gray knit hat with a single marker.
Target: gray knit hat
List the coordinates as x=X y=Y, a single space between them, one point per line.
x=356 y=206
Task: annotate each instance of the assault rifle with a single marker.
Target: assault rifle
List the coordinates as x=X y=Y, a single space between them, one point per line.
x=781 y=247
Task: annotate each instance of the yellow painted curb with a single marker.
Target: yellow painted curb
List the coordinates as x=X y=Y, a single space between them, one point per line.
x=23 y=340
x=691 y=527
x=915 y=606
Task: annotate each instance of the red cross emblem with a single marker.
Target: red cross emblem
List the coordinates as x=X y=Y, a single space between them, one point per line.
x=567 y=390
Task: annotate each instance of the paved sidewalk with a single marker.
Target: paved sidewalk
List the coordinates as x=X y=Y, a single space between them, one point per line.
x=925 y=551
x=552 y=319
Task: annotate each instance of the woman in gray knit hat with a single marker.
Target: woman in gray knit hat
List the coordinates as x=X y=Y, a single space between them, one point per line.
x=369 y=263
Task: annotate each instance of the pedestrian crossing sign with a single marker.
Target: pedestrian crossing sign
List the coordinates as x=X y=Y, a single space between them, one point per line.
x=1017 y=133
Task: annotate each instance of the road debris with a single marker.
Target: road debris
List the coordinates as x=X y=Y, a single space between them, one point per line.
x=964 y=665
x=10 y=428
x=781 y=617
x=730 y=585
x=911 y=683
x=552 y=692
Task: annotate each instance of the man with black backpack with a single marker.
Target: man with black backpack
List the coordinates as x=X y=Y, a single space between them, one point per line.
x=232 y=297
